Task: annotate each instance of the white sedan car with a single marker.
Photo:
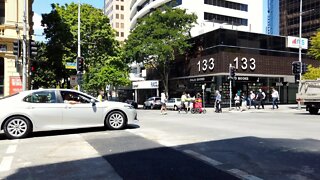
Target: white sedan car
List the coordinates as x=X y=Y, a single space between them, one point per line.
x=53 y=109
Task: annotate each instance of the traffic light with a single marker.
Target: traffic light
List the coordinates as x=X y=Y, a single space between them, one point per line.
x=304 y=68
x=232 y=71
x=33 y=48
x=80 y=64
x=296 y=67
x=17 y=48
x=33 y=67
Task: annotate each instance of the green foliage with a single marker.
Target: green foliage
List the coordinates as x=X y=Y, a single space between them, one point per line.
x=158 y=37
x=44 y=74
x=314 y=50
x=312 y=74
x=98 y=45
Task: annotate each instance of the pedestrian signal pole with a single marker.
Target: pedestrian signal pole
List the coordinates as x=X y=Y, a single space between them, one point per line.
x=79 y=73
x=230 y=87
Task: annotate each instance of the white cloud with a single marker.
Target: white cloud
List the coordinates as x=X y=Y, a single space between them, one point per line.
x=38 y=29
x=37 y=22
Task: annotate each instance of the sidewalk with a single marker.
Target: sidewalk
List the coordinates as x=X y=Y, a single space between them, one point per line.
x=268 y=108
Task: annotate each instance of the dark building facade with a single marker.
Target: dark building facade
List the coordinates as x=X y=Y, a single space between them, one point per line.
x=290 y=13
x=261 y=62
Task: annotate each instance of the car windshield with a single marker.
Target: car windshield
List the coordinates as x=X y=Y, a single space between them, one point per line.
x=157 y=99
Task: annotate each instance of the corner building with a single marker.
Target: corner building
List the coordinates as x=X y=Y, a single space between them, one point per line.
x=11 y=29
x=261 y=61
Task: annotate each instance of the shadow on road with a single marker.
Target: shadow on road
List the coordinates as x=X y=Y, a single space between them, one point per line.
x=134 y=157
x=70 y=131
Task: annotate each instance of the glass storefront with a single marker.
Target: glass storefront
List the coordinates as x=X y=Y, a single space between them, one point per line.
x=287 y=91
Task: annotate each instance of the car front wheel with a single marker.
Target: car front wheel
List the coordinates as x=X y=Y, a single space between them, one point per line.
x=116 y=120
x=17 y=127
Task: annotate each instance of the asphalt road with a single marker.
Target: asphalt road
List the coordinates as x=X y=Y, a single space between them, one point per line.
x=254 y=144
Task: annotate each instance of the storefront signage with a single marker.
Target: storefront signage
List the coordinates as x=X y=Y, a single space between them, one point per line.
x=293 y=42
x=242 y=78
x=15 y=84
x=245 y=63
x=197 y=79
x=145 y=85
x=3 y=48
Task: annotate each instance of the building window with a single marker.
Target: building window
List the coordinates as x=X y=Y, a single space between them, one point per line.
x=2 y=11
x=225 y=19
x=117 y=25
x=117 y=34
x=122 y=8
x=122 y=16
x=227 y=4
x=122 y=34
x=117 y=7
x=122 y=25
x=117 y=16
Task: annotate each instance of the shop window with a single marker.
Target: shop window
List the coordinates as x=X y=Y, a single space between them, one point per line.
x=2 y=11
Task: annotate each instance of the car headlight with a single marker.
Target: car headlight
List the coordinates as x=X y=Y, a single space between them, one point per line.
x=128 y=106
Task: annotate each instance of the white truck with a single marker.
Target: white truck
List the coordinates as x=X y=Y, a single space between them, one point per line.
x=309 y=95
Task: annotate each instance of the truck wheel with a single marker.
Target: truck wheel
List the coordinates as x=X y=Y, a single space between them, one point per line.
x=313 y=110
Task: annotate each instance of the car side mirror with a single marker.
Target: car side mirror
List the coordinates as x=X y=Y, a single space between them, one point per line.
x=93 y=102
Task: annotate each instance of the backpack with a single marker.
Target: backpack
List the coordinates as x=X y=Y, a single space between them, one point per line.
x=260 y=96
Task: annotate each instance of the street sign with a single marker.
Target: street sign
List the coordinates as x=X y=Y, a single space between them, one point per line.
x=71 y=65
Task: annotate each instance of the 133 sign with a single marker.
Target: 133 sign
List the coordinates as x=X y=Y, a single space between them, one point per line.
x=205 y=64
x=244 y=63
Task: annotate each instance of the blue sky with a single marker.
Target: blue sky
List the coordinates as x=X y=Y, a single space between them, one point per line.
x=43 y=6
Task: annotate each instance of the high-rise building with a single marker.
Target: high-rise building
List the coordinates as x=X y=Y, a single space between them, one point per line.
x=290 y=17
x=11 y=29
x=273 y=17
x=212 y=14
x=118 y=13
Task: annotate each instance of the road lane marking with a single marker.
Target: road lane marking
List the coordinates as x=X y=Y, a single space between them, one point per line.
x=203 y=158
x=11 y=149
x=242 y=174
x=6 y=163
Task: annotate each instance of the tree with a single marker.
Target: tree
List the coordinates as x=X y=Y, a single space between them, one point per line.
x=312 y=73
x=42 y=73
x=158 y=37
x=314 y=50
x=98 y=45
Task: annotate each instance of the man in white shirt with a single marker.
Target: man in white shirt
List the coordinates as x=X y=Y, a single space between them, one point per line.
x=275 y=98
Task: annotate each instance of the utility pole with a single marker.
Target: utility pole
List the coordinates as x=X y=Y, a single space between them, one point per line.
x=79 y=73
x=300 y=60
x=230 y=88
x=24 y=57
